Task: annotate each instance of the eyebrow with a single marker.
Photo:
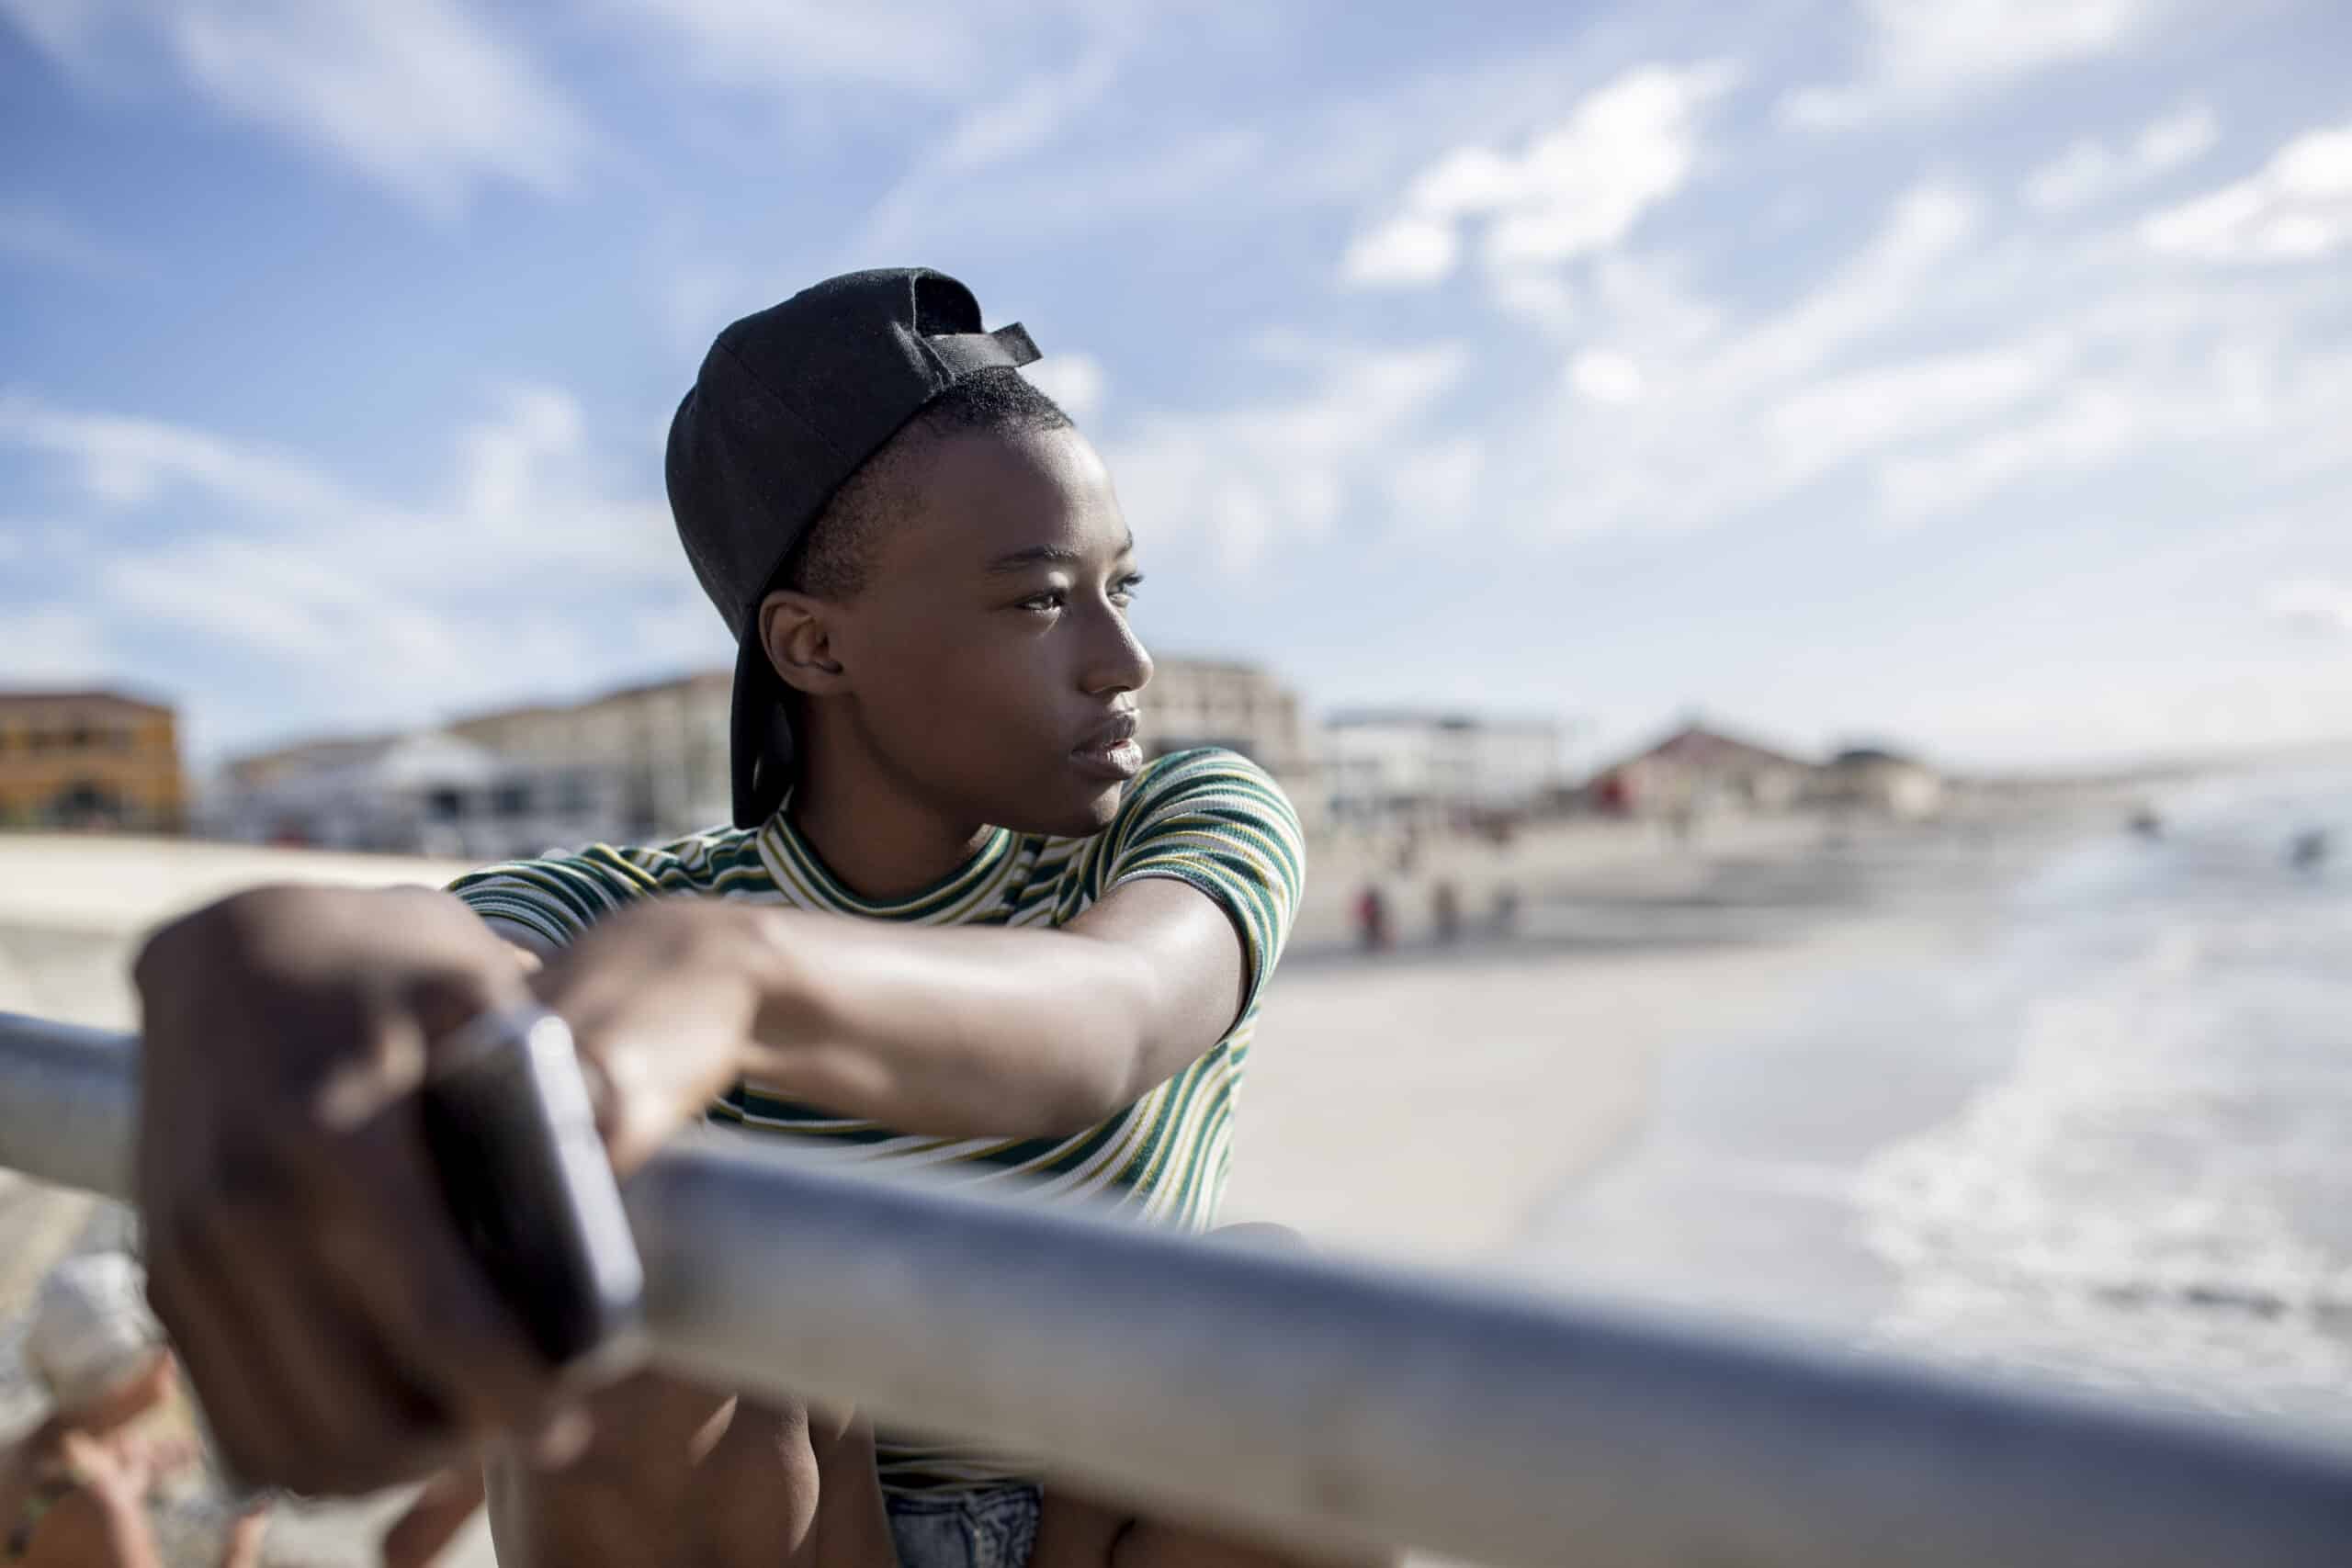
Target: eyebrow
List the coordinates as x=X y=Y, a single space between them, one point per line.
x=1046 y=555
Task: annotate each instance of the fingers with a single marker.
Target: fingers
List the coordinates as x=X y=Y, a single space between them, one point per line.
x=446 y=1505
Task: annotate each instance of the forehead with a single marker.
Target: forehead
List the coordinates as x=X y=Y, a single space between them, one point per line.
x=981 y=497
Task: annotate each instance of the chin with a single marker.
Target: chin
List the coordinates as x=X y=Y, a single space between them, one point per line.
x=1078 y=814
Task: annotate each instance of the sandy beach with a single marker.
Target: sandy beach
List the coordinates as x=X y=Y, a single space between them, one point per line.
x=1425 y=1105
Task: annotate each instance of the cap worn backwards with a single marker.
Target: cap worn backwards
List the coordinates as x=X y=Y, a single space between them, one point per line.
x=788 y=404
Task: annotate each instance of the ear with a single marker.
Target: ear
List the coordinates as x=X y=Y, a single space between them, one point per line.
x=796 y=631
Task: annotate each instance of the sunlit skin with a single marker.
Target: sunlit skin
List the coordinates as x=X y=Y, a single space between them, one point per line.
x=986 y=675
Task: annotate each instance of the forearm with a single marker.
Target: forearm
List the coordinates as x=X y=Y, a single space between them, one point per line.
x=970 y=1031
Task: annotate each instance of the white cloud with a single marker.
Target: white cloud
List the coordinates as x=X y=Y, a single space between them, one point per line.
x=1435 y=488
x=1032 y=116
x=2297 y=207
x=910 y=45
x=1922 y=55
x=419 y=96
x=1605 y=377
x=1940 y=367
x=1061 y=79
x=1249 y=474
x=2313 y=603
x=55 y=645
x=1879 y=285
x=417 y=607
x=35 y=234
x=1407 y=250
x=2176 y=138
x=1576 y=189
x=1824 y=422
x=2094 y=423
x=125 y=460
x=2089 y=171
x=1077 y=382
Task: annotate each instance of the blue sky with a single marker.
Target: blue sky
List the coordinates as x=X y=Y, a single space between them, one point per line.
x=1975 y=373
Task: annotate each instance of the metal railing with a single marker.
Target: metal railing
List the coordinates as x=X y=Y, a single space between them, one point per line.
x=1329 y=1400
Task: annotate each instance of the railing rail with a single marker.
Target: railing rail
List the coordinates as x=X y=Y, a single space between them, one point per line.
x=1324 y=1399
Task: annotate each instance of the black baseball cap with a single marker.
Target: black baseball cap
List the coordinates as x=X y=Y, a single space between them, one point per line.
x=790 y=402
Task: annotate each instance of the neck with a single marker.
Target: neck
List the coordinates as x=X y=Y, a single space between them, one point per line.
x=874 y=835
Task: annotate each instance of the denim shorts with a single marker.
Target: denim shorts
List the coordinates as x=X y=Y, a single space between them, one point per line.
x=994 y=1528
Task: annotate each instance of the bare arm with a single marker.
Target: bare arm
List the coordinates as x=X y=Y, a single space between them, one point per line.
x=962 y=1032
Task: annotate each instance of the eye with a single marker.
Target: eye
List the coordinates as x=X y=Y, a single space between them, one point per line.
x=1123 y=591
x=1044 y=604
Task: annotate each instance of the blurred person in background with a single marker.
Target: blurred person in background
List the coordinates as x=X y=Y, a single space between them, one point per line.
x=962 y=919
x=86 y=1487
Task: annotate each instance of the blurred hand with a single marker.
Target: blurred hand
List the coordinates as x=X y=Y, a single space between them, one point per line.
x=682 y=1473
x=298 y=1248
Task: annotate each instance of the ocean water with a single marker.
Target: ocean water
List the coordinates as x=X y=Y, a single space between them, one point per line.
x=2108 y=1142
x=2154 y=1195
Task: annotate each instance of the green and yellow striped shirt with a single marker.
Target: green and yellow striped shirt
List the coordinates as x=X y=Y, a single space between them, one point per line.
x=1209 y=817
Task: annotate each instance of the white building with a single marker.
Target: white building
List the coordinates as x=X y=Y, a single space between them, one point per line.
x=1884 y=783
x=424 y=793
x=1430 y=770
x=658 y=751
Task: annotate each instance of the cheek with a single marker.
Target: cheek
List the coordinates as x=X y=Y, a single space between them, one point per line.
x=974 y=704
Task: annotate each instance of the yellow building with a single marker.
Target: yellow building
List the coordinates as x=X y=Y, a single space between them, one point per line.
x=89 y=759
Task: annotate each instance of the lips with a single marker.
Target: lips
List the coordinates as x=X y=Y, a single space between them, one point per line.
x=1110 y=747
x=1120 y=726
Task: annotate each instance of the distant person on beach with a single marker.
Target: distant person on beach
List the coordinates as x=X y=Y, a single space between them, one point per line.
x=1372 y=919
x=2308 y=851
x=957 y=910
x=1446 y=911
x=79 y=1490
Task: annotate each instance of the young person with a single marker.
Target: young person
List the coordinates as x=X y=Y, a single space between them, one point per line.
x=958 y=921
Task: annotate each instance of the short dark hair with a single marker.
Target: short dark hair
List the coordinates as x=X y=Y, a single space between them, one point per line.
x=834 y=558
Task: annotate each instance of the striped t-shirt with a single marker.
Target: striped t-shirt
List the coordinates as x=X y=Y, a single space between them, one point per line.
x=1209 y=817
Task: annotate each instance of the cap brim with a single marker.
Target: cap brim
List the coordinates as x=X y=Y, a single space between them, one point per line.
x=759 y=739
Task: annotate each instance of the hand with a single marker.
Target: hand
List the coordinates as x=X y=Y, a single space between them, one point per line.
x=663 y=998
x=682 y=1473
x=101 y=1518
x=297 y=1251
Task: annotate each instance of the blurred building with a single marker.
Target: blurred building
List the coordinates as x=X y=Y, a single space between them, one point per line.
x=1884 y=783
x=1700 y=771
x=1405 y=768
x=429 y=793
x=1218 y=702
x=90 y=759
x=657 y=752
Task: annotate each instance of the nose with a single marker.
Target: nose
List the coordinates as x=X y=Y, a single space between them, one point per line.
x=1116 y=658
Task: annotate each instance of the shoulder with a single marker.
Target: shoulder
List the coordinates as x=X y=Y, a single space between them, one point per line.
x=1216 y=820
x=1199 y=772
x=562 y=893
x=1206 y=801
x=1205 y=779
